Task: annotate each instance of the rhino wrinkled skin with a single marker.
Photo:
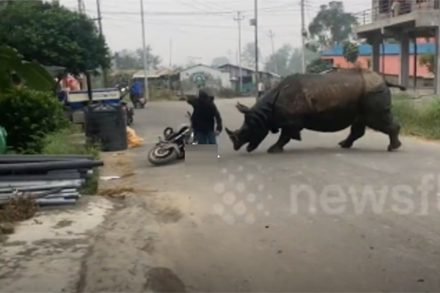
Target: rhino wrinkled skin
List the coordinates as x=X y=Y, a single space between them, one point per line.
x=328 y=102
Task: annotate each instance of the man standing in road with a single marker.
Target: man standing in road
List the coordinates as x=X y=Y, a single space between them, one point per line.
x=202 y=118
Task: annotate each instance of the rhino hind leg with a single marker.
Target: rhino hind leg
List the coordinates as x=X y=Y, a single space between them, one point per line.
x=286 y=135
x=357 y=130
x=385 y=124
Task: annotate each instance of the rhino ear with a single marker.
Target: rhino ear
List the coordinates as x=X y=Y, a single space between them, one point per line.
x=242 y=108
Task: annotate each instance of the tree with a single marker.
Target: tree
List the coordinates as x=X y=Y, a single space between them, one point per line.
x=295 y=63
x=248 y=54
x=318 y=65
x=126 y=59
x=350 y=51
x=427 y=60
x=32 y=73
x=190 y=63
x=279 y=61
x=288 y=60
x=153 y=61
x=332 y=25
x=217 y=61
x=53 y=35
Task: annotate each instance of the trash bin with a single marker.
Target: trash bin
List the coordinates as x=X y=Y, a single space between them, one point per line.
x=3 y=135
x=106 y=125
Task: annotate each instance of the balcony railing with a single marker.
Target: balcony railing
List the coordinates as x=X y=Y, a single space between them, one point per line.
x=384 y=10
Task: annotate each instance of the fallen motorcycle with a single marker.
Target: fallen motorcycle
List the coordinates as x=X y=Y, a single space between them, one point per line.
x=172 y=146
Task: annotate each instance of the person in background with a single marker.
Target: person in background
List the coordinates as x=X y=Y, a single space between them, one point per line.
x=260 y=89
x=395 y=8
x=135 y=91
x=205 y=119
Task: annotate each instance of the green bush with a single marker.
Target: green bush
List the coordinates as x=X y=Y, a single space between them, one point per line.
x=227 y=93
x=28 y=116
x=418 y=118
x=64 y=143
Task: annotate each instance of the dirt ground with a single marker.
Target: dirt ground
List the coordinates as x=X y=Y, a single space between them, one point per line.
x=53 y=251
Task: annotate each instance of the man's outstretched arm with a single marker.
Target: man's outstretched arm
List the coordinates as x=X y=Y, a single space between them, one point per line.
x=191 y=100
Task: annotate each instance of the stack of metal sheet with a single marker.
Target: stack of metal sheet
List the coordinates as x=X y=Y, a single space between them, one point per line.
x=51 y=179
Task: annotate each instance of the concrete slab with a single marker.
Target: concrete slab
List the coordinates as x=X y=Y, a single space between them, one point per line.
x=413 y=19
x=44 y=254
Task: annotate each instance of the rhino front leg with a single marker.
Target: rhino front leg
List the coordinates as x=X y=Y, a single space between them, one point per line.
x=286 y=135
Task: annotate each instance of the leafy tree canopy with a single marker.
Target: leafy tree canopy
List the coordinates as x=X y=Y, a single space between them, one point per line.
x=288 y=60
x=15 y=70
x=318 y=65
x=248 y=55
x=350 y=51
x=428 y=60
x=331 y=26
x=53 y=35
x=127 y=59
x=220 y=61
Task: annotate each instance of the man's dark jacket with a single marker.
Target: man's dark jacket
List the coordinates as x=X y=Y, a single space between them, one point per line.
x=205 y=111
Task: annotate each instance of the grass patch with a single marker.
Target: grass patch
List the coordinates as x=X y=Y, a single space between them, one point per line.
x=67 y=142
x=418 y=118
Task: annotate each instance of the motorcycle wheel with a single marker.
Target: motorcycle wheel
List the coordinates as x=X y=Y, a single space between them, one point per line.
x=167 y=132
x=158 y=156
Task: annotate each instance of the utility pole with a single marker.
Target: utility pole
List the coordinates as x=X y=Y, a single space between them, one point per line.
x=171 y=53
x=80 y=6
x=271 y=36
x=303 y=37
x=238 y=19
x=98 y=9
x=254 y=22
x=144 y=56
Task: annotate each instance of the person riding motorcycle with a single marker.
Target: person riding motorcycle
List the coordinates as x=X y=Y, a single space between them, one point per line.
x=135 y=91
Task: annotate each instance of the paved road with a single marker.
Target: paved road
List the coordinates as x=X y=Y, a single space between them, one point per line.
x=316 y=218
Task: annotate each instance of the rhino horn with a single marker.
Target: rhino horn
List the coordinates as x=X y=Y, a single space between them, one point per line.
x=242 y=108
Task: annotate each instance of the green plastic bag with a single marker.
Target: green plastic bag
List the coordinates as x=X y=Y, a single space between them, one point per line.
x=3 y=135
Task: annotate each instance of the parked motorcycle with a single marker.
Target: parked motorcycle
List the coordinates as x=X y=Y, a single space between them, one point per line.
x=129 y=112
x=172 y=146
x=139 y=102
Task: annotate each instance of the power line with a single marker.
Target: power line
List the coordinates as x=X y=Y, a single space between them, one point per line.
x=238 y=19
x=280 y=8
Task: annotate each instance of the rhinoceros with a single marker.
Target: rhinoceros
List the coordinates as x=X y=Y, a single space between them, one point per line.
x=329 y=102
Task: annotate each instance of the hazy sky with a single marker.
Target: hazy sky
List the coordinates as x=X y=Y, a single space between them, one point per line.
x=204 y=29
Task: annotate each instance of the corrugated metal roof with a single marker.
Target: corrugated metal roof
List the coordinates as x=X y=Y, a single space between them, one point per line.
x=155 y=73
x=249 y=69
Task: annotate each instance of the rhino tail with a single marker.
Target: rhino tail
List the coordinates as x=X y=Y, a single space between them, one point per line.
x=400 y=87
